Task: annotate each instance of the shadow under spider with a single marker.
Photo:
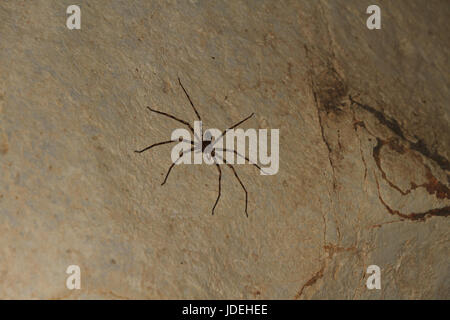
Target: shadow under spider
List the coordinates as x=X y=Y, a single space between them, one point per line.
x=205 y=146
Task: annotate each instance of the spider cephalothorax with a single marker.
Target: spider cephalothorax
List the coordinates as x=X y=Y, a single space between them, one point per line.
x=205 y=146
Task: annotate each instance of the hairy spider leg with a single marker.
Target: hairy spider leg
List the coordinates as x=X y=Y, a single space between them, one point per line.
x=195 y=110
x=220 y=178
x=172 y=117
x=174 y=163
x=237 y=153
x=237 y=177
x=232 y=127
x=190 y=101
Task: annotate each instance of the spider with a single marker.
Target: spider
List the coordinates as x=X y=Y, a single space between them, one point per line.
x=206 y=146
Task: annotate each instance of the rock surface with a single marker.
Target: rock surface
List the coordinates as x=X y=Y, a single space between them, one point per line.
x=364 y=148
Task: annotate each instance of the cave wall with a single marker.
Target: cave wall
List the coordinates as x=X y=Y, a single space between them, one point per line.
x=364 y=147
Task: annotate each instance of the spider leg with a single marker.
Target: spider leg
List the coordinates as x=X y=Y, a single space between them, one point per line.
x=173 y=164
x=190 y=101
x=161 y=143
x=240 y=182
x=220 y=178
x=172 y=117
x=237 y=153
x=240 y=122
x=154 y=145
x=232 y=127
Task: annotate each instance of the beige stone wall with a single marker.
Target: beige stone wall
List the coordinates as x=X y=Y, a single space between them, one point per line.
x=364 y=148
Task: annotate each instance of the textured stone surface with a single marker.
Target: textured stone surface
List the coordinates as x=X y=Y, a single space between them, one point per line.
x=364 y=148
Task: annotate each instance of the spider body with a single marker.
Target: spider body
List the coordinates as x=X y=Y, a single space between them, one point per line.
x=206 y=146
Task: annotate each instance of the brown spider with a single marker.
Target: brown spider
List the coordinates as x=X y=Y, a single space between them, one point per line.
x=205 y=146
